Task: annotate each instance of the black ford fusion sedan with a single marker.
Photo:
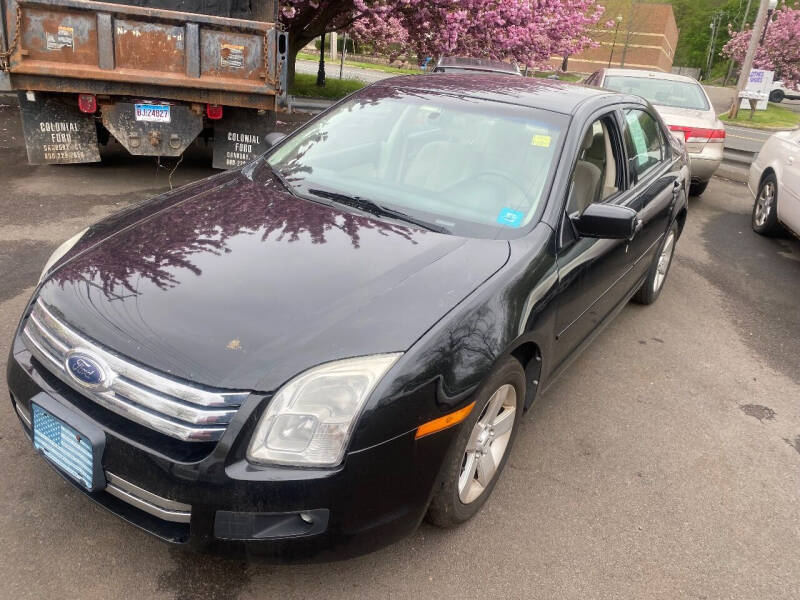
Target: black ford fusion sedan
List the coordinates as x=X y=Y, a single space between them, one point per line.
x=309 y=355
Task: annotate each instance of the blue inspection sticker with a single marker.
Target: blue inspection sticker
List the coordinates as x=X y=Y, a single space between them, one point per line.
x=510 y=218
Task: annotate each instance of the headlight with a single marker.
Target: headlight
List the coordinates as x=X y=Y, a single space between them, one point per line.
x=311 y=418
x=61 y=251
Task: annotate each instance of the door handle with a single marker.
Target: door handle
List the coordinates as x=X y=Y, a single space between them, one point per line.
x=637 y=227
x=676 y=187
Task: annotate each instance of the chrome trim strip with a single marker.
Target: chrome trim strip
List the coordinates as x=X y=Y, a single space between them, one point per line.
x=167 y=386
x=26 y=418
x=168 y=406
x=163 y=508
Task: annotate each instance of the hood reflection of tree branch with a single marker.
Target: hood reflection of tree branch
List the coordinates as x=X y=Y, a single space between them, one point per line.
x=155 y=248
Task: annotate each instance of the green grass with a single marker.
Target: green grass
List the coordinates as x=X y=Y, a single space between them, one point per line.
x=332 y=65
x=775 y=117
x=305 y=85
x=571 y=77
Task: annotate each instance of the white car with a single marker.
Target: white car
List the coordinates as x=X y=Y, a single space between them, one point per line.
x=780 y=92
x=775 y=183
x=684 y=105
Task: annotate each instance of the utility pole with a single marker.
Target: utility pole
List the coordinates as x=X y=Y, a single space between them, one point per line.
x=628 y=33
x=730 y=62
x=747 y=64
x=715 y=22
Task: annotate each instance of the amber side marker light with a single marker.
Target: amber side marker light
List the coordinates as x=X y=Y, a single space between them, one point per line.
x=454 y=418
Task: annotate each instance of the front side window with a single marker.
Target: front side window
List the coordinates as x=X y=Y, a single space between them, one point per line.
x=471 y=167
x=594 y=176
x=643 y=142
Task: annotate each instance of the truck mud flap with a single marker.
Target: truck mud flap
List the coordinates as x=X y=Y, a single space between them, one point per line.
x=152 y=128
x=239 y=136
x=56 y=132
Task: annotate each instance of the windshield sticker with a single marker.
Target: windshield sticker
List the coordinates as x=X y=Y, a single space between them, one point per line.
x=510 y=218
x=543 y=141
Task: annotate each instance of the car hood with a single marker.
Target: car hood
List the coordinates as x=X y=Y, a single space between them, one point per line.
x=235 y=283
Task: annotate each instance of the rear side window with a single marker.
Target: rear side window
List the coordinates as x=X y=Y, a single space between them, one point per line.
x=643 y=142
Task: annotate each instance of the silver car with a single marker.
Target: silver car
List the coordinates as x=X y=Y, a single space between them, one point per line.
x=684 y=105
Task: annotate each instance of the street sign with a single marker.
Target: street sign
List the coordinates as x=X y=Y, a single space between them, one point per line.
x=758 y=86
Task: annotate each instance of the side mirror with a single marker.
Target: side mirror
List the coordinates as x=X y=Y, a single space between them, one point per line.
x=273 y=138
x=608 y=221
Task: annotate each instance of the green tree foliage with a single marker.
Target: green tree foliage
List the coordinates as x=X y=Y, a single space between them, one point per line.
x=694 y=23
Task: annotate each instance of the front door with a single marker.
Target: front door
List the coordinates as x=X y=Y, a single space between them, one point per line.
x=593 y=274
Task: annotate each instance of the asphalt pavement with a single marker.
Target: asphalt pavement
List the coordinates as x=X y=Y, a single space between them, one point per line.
x=332 y=71
x=664 y=464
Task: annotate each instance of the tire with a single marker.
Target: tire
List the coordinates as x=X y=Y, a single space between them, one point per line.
x=697 y=188
x=657 y=275
x=452 y=503
x=776 y=96
x=764 y=218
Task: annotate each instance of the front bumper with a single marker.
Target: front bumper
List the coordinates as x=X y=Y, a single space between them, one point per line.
x=214 y=500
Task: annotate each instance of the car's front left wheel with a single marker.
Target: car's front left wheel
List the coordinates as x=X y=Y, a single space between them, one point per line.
x=477 y=457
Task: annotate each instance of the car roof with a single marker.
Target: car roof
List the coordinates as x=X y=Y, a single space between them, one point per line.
x=643 y=73
x=477 y=63
x=547 y=94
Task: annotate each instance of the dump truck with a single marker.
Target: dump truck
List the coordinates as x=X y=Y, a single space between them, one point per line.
x=155 y=75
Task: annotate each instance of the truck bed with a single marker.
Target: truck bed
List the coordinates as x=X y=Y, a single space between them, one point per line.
x=87 y=46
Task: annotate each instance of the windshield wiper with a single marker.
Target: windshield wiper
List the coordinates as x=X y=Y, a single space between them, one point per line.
x=369 y=206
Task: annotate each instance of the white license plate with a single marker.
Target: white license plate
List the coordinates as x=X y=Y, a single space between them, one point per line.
x=157 y=113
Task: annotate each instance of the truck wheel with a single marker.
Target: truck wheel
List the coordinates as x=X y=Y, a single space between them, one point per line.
x=776 y=96
x=477 y=456
x=765 y=208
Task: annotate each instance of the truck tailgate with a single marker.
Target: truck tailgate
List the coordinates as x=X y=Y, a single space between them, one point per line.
x=80 y=41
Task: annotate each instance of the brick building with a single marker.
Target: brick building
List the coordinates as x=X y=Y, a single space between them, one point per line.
x=649 y=30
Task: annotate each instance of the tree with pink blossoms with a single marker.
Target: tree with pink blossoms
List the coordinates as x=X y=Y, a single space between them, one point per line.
x=780 y=51
x=527 y=31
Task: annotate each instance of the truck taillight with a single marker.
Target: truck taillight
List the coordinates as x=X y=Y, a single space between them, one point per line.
x=214 y=111
x=87 y=103
x=699 y=134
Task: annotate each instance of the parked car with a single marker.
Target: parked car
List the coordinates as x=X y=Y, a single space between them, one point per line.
x=780 y=92
x=774 y=182
x=317 y=350
x=684 y=105
x=458 y=64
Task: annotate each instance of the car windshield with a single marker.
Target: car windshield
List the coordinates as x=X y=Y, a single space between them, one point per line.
x=466 y=166
x=664 y=92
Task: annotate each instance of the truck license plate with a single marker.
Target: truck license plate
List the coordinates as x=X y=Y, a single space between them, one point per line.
x=157 y=113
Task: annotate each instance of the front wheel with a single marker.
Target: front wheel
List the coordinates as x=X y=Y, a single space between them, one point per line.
x=657 y=275
x=776 y=96
x=479 y=453
x=765 y=208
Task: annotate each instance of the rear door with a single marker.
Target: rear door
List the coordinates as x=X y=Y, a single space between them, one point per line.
x=653 y=181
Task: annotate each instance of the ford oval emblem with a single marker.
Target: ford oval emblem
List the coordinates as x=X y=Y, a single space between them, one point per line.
x=86 y=369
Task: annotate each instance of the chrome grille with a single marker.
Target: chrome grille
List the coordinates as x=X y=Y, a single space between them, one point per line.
x=173 y=408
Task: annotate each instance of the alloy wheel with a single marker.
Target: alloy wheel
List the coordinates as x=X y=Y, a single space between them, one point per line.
x=664 y=261
x=487 y=444
x=764 y=203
